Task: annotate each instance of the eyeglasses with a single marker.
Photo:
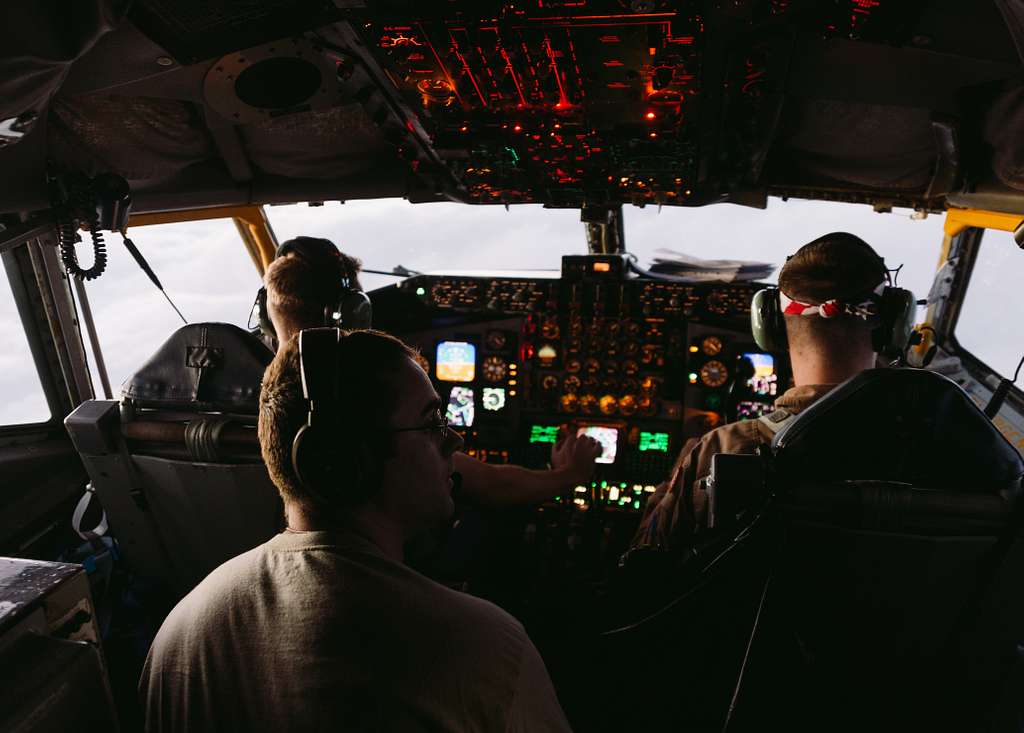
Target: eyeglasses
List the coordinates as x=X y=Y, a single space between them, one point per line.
x=438 y=423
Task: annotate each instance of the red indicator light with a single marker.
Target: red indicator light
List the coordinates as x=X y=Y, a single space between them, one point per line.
x=464 y=128
x=558 y=126
x=517 y=128
x=650 y=115
x=653 y=135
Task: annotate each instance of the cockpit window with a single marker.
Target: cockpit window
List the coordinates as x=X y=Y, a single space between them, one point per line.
x=24 y=401
x=988 y=326
x=204 y=269
x=449 y=236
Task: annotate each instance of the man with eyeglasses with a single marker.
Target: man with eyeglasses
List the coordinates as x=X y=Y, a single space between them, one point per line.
x=324 y=627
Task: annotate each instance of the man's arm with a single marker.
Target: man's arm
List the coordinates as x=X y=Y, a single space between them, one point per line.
x=678 y=506
x=488 y=484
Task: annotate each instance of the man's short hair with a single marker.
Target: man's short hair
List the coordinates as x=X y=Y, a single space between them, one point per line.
x=839 y=266
x=367 y=398
x=302 y=285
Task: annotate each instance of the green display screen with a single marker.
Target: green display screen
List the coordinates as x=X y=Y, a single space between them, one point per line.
x=543 y=433
x=654 y=441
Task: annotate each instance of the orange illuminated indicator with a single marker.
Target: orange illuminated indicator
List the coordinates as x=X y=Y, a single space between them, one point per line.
x=650 y=115
x=653 y=135
x=518 y=128
x=464 y=128
x=602 y=267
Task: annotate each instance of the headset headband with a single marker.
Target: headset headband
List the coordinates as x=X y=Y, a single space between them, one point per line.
x=866 y=309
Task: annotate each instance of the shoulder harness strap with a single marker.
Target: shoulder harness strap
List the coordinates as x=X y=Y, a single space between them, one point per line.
x=776 y=421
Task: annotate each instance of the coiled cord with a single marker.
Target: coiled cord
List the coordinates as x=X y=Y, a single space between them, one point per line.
x=67 y=236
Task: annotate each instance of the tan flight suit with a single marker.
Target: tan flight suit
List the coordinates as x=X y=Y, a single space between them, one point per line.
x=678 y=508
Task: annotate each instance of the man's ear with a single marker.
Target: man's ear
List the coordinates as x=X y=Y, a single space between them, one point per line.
x=366 y=471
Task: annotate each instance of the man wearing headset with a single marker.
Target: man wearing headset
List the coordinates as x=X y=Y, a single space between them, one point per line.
x=311 y=283
x=324 y=627
x=835 y=311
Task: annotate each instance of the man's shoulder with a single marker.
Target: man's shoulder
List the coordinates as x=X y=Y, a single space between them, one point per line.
x=736 y=437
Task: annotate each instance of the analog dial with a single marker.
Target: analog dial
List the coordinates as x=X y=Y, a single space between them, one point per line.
x=572 y=383
x=494 y=368
x=495 y=340
x=608 y=405
x=712 y=346
x=550 y=329
x=714 y=374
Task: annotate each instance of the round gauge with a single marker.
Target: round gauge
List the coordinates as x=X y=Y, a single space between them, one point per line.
x=549 y=382
x=569 y=402
x=648 y=406
x=608 y=384
x=631 y=348
x=614 y=328
x=630 y=367
x=550 y=329
x=628 y=405
x=608 y=405
x=591 y=384
x=571 y=383
x=712 y=346
x=629 y=384
x=547 y=354
x=573 y=365
x=633 y=329
x=494 y=368
x=593 y=366
x=611 y=368
x=573 y=346
x=588 y=404
x=714 y=374
x=495 y=340
x=650 y=385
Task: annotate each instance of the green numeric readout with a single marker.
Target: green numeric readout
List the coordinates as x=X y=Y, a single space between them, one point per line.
x=653 y=441
x=543 y=433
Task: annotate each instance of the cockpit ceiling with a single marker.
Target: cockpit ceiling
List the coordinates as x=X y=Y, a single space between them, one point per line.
x=559 y=102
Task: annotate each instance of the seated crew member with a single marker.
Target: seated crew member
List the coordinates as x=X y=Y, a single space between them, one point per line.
x=310 y=272
x=828 y=344
x=324 y=627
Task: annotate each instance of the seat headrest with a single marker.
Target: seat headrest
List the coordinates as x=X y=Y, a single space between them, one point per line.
x=904 y=425
x=208 y=367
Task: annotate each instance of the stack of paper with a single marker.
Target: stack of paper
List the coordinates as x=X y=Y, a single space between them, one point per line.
x=695 y=269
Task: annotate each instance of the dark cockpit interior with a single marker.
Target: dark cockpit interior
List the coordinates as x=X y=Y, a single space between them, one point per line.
x=855 y=592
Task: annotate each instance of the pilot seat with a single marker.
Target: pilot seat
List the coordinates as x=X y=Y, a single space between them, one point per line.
x=892 y=597
x=176 y=463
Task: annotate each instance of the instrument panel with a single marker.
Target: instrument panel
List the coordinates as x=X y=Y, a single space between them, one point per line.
x=642 y=366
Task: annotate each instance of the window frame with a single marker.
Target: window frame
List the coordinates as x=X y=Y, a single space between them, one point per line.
x=967 y=245
x=35 y=325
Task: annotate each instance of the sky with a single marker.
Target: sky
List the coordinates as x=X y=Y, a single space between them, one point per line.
x=207 y=272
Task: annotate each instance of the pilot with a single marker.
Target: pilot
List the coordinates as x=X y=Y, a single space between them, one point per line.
x=829 y=295
x=309 y=273
x=324 y=627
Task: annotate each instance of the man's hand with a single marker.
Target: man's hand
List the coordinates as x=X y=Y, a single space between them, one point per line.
x=573 y=456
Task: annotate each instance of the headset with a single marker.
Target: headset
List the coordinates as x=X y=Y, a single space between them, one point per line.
x=332 y=474
x=895 y=311
x=351 y=310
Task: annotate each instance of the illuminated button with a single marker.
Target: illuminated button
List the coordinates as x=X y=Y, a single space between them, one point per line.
x=649 y=489
x=636 y=504
x=613 y=493
x=581 y=489
x=421 y=291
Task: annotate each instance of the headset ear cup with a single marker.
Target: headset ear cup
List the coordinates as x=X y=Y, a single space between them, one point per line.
x=356 y=310
x=313 y=465
x=266 y=325
x=766 y=321
x=897 y=311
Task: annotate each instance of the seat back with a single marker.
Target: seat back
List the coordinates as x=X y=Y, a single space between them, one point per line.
x=896 y=577
x=176 y=464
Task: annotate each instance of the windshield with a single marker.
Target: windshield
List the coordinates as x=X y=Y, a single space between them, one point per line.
x=450 y=236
